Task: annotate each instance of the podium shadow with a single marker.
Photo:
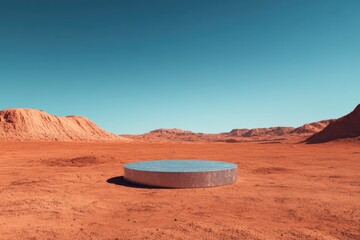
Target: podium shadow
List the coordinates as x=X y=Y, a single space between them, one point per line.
x=120 y=180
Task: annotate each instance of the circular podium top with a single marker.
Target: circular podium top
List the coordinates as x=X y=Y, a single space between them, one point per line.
x=180 y=166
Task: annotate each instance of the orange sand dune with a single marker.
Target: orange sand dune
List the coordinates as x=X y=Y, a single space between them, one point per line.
x=35 y=125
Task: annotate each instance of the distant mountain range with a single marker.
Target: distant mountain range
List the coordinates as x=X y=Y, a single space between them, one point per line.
x=35 y=125
x=235 y=135
x=347 y=127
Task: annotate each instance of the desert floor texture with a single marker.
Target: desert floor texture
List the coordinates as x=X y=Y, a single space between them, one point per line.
x=54 y=190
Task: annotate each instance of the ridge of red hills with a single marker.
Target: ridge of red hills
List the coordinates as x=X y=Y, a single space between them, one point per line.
x=277 y=134
x=21 y=124
x=347 y=127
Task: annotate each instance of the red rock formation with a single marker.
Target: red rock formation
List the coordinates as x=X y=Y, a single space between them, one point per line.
x=345 y=127
x=311 y=128
x=273 y=131
x=171 y=131
x=237 y=132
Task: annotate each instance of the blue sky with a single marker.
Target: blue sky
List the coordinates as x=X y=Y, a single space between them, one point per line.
x=206 y=66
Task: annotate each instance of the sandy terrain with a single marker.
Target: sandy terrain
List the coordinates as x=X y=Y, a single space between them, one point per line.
x=55 y=190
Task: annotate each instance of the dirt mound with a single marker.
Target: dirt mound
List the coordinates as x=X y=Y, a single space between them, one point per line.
x=345 y=127
x=238 y=132
x=271 y=170
x=257 y=132
x=34 y=125
x=171 y=131
x=73 y=162
x=166 y=135
x=273 y=131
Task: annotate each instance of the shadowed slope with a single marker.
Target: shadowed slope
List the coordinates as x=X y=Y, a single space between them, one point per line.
x=345 y=127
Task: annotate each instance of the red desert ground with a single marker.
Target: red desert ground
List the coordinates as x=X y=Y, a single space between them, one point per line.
x=61 y=179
